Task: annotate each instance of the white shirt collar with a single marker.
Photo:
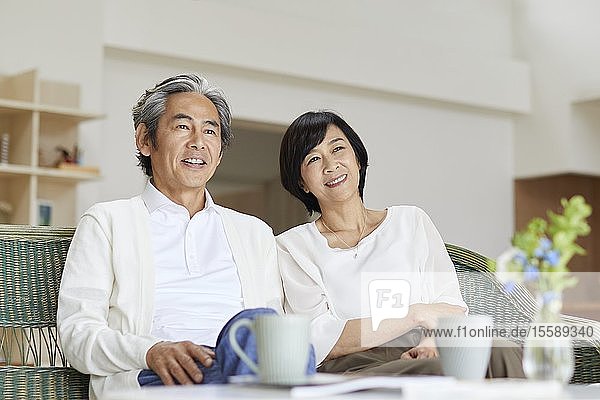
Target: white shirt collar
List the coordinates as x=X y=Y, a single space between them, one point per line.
x=155 y=199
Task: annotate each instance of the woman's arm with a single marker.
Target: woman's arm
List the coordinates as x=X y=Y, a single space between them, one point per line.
x=440 y=280
x=302 y=295
x=358 y=334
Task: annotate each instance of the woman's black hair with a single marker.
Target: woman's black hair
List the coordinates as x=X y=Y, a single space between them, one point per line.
x=303 y=135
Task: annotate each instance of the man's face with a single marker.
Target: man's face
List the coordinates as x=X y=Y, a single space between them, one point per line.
x=188 y=147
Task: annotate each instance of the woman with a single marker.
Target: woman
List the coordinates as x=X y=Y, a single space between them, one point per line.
x=323 y=163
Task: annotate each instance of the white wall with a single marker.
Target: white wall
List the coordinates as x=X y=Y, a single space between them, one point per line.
x=458 y=51
x=430 y=85
x=446 y=147
x=560 y=39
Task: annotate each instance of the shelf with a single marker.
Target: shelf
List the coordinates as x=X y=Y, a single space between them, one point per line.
x=66 y=112
x=41 y=116
x=14 y=169
x=590 y=99
x=65 y=174
x=54 y=173
x=8 y=106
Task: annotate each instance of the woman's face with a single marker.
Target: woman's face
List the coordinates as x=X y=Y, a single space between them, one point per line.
x=330 y=171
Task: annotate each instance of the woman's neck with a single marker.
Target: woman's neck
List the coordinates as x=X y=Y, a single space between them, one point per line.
x=346 y=216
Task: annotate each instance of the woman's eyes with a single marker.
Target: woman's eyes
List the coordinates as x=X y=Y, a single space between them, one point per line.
x=210 y=132
x=315 y=158
x=182 y=126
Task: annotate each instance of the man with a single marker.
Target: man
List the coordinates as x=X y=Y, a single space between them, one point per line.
x=149 y=279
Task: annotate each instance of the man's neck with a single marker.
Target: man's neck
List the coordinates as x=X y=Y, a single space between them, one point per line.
x=193 y=200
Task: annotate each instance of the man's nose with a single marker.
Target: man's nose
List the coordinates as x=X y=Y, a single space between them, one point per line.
x=196 y=141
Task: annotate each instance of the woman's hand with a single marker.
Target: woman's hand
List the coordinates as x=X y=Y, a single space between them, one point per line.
x=426 y=315
x=425 y=349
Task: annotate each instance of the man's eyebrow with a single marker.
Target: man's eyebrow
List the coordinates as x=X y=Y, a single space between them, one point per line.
x=182 y=116
x=188 y=117
x=212 y=123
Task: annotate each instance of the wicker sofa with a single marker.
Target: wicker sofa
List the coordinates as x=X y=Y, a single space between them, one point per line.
x=484 y=294
x=31 y=264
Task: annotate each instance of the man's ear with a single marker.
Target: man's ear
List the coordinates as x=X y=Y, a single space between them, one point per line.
x=220 y=156
x=142 y=141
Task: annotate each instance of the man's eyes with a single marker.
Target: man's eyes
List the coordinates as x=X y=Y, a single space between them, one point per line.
x=187 y=128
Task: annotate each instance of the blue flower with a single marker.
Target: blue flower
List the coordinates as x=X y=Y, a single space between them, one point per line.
x=545 y=244
x=552 y=257
x=509 y=286
x=531 y=273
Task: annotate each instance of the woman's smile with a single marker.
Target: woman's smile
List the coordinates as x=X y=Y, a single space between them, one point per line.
x=337 y=181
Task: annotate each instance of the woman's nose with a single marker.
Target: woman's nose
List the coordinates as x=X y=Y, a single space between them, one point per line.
x=331 y=166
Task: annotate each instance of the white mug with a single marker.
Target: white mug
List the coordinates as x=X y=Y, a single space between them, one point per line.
x=282 y=346
x=465 y=344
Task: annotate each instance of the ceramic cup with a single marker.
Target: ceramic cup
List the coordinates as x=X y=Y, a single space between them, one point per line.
x=465 y=345
x=282 y=345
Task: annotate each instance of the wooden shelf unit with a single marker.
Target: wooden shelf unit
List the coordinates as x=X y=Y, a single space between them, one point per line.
x=40 y=115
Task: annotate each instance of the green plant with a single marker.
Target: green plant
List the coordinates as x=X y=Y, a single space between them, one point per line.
x=541 y=252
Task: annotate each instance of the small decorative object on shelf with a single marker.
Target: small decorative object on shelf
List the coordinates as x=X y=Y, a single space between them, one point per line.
x=45 y=212
x=4 y=148
x=66 y=156
x=539 y=259
x=70 y=160
x=5 y=212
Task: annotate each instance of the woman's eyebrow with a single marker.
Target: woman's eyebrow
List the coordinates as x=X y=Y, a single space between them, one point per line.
x=335 y=140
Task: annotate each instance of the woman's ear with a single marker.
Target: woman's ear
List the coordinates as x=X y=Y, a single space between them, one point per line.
x=303 y=186
x=142 y=141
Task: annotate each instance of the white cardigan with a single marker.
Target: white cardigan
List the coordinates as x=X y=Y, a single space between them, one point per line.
x=105 y=304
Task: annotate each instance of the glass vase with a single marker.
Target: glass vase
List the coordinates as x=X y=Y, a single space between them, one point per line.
x=547 y=353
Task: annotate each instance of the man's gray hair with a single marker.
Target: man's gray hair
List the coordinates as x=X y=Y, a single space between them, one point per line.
x=153 y=103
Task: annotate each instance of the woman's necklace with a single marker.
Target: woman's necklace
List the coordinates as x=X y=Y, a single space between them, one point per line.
x=343 y=241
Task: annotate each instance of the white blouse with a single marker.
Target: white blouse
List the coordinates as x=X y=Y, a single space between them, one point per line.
x=330 y=285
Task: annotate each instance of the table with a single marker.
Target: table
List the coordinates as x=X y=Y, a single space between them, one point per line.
x=415 y=388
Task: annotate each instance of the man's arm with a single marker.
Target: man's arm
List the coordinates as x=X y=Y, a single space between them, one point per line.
x=90 y=344
x=101 y=336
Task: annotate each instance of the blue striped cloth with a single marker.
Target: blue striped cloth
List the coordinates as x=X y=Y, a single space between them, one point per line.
x=227 y=363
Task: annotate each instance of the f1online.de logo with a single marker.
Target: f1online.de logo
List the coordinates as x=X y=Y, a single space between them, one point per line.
x=388 y=298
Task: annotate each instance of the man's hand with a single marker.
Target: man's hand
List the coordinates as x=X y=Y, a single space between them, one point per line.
x=425 y=349
x=176 y=361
